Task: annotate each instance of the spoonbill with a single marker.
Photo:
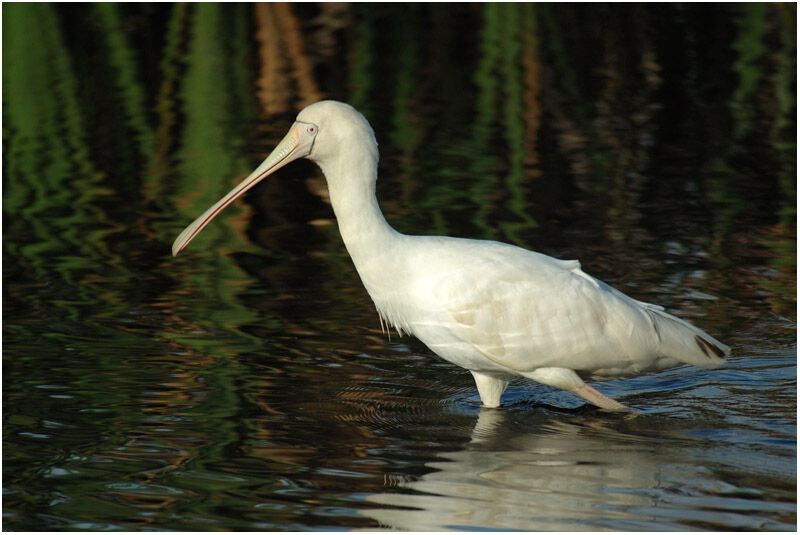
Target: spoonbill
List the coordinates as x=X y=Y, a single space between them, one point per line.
x=495 y=309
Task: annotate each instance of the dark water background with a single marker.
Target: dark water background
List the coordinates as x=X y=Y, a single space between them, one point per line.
x=246 y=384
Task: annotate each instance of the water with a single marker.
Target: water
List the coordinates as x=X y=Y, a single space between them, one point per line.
x=247 y=385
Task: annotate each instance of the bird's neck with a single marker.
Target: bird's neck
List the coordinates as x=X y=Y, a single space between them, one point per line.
x=366 y=234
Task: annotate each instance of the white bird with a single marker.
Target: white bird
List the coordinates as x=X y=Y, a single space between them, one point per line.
x=492 y=308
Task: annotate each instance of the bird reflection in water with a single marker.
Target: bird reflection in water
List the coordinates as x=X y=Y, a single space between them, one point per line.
x=545 y=474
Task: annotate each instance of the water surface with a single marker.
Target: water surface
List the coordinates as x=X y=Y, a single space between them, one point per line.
x=247 y=385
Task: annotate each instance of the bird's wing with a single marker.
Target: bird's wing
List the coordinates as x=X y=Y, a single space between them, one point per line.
x=529 y=311
x=552 y=315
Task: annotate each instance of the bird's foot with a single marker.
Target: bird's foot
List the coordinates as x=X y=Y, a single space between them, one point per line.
x=598 y=398
x=567 y=379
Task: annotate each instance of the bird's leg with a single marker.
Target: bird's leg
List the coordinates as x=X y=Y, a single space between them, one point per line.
x=490 y=387
x=599 y=399
x=567 y=379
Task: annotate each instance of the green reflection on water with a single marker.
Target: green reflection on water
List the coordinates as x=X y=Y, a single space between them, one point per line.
x=122 y=62
x=751 y=48
x=519 y=21
x=784 y=130
x=763 y=85
x=362 y=61
x=405 y=134
x=213 y=156
x=50 y=182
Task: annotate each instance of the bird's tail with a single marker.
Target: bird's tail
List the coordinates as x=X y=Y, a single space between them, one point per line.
x=685 y=342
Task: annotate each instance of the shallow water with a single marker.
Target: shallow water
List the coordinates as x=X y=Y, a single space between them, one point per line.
x=247 y=385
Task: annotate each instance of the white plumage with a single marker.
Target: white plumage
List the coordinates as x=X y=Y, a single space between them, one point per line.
x=492 y=308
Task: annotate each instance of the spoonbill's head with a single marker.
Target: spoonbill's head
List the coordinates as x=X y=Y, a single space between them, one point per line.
x=341 y=130
x=323 y=132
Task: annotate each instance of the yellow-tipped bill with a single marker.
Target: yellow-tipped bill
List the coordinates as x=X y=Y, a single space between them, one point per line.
x=297 y=144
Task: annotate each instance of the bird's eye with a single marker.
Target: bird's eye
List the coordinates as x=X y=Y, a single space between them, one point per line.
x=311 y=129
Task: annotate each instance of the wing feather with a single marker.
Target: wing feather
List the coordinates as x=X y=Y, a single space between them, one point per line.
x=522 y=310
